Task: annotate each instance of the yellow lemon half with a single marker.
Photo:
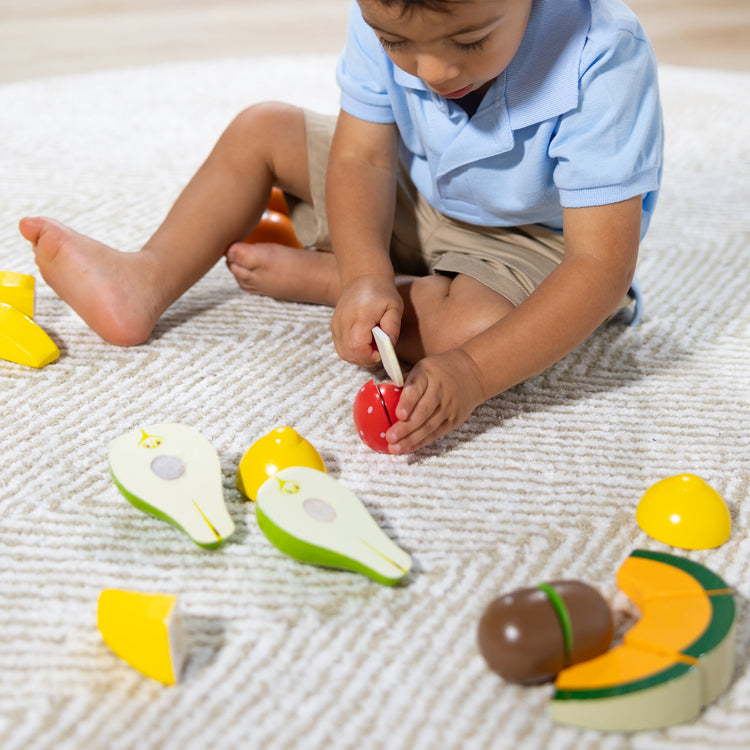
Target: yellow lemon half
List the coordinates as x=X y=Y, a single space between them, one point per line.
x=685 y=512
x=281 y=448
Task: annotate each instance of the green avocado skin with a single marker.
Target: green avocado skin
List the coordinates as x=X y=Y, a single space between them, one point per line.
x=146 y=508
x=310 y=553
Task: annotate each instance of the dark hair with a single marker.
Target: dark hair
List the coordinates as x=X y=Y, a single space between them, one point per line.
x=408 y=6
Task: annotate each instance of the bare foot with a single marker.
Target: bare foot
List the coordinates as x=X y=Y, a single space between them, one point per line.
x=285 y=273
x=110 y=290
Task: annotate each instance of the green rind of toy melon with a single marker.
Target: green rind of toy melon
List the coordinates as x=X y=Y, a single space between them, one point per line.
x=311 y=553
x=722 y=619
x=146 y=508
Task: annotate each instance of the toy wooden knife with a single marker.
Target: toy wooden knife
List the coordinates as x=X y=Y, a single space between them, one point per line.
x=388 y=356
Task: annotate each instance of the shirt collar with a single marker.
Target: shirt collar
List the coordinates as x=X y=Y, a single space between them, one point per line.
x=542 y=79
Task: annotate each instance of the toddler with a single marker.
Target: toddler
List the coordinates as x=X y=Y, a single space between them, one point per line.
x=481 y=197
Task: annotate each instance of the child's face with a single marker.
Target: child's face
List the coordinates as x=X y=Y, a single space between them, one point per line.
x=454 y=52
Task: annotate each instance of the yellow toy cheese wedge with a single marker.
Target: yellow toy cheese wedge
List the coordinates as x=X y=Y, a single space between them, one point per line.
x=144 y=630
x=17 y=290
x=678 y=658
x=279 y=449
x=23 y=341
x=684 y=511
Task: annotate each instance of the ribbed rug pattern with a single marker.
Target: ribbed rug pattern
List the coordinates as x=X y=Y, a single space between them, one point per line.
x=541 y=483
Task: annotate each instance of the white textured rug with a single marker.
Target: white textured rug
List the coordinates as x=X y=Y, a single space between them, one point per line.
x=541 y=483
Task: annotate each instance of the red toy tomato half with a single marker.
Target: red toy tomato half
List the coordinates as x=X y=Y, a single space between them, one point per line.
x=374 y=412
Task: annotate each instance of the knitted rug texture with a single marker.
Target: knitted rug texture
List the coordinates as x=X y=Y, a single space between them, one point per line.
x=541 y=483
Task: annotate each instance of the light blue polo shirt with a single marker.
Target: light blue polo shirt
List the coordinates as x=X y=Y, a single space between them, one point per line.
x=574 y=120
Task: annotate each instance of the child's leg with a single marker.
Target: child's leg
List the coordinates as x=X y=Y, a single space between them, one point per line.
x=285 y=273
x=121 y=296
x=441 y=313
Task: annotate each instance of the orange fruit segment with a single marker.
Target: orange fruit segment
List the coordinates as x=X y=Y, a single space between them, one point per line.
x=274 y=227
x=676 y=659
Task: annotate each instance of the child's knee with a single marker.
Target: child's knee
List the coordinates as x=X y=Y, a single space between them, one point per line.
x=479 y=306
x=465 y=307
x=267 y=118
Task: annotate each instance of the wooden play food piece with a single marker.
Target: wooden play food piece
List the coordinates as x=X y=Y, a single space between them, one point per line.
x=684 y=511
x=17 y=290
x=277 y=201
x=23 y=341
x=274 y=226
x=374 y=412
x=144 y=630
x=174 y=473
x=678 y=658
x=311 y=517
x=527 y=636
x=280 y=448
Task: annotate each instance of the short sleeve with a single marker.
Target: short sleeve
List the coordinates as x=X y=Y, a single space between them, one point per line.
x=609 y=148
x=362 y=73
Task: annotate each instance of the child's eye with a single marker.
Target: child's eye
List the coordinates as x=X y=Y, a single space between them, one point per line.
x=389 y=45
x=471 y=46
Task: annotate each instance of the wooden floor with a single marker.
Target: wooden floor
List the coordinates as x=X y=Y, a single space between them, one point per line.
x=48 y=37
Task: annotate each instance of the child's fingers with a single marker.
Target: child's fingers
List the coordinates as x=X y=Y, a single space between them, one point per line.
x=414 y=389
x=361 y=344
x=418 y=414
x=390 y=323
x=418 y=434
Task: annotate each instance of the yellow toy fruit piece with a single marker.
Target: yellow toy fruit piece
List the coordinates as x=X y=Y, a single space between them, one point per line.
x=144 y=630
x=683 y=511
x=17 y=290
x=279 y=449
x=23 y=341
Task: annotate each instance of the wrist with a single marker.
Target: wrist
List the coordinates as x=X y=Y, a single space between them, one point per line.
x=376 y=276
x=355 y=260
x=476 y=380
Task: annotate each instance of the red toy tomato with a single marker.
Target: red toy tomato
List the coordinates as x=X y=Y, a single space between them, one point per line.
x=274 y=227
x=374 y=412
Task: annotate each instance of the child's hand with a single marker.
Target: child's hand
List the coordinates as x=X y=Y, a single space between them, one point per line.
x=365 y=302
x=440 y=393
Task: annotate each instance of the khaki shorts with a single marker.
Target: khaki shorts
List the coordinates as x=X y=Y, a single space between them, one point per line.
x=513 y=261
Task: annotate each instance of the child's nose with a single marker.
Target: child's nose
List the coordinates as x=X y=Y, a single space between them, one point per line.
x=434 y=70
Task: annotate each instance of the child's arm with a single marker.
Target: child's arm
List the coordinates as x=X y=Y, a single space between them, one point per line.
x=601 y=249
x=360 y=199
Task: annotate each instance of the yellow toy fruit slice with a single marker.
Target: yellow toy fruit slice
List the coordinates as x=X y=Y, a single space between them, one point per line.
x=678 y=657
x=23 y=341
x=683 y=511
x=17 y=290
x=279 y=449
x=144 y=630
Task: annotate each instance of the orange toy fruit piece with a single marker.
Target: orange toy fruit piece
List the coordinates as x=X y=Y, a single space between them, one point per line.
x=277 y=202
x=676 y=659
x=274 y=227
